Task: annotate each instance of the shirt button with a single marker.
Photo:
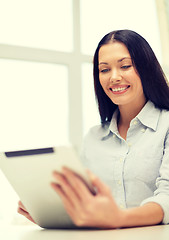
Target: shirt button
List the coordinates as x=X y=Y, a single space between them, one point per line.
x=129 y=144
x=143 y=130
x=121 y=206
x=114 y=135
x=119 y=183
x=135 y=122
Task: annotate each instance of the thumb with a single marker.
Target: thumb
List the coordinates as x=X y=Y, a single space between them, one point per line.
x=101 y=187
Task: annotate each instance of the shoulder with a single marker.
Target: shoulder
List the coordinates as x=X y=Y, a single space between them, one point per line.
x=98 y=131
x=93 y=141
x=156 y=117
x=164 y=116
x=163 y=121
x=165 y=112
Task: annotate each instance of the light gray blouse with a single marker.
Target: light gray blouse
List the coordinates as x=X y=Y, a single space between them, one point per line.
x=135 y=169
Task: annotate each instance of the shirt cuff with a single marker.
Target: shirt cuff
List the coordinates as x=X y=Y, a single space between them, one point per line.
x=163 y=201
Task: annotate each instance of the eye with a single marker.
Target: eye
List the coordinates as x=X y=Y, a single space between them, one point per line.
x=104 y=70
x=126 y=66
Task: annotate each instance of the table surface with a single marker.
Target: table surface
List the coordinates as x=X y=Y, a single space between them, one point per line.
x=160 y=232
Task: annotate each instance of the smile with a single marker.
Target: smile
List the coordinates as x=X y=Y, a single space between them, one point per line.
x=119 y=89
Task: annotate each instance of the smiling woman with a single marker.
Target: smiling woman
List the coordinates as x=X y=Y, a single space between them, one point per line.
x=134 y=115
x=133 y=100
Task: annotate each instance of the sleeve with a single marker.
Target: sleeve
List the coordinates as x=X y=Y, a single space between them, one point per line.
x=83 y=158
x=90 y=142
x=161 y=194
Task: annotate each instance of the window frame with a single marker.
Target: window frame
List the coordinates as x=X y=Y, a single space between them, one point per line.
x=73 y=60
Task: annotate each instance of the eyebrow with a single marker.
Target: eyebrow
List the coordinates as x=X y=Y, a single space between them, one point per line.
x=120 y=60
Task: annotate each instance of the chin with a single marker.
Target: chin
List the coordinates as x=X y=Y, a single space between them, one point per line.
x=121 y=102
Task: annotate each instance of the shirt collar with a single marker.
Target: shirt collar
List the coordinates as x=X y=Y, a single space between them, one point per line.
x=148 y=116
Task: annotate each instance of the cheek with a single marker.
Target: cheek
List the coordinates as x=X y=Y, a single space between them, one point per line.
x=138 y=82
x=131 y=76
x=134 y=79
x=102 y=82
x=138 y=86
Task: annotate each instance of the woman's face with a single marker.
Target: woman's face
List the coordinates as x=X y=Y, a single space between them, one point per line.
x=118 y=76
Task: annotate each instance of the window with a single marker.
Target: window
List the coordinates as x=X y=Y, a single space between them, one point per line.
x=163 y=20
x=34 y=104
x=90 y=111
x=37 y=23
x=98 y=18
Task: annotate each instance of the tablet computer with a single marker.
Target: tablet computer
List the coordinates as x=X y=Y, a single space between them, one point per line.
x=30 y=173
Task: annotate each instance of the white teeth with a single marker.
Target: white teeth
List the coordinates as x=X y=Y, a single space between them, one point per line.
x=118 y=89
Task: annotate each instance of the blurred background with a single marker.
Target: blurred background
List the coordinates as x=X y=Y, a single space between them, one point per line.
x=46 y=82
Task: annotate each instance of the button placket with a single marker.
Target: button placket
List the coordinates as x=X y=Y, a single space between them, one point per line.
x=119 y=180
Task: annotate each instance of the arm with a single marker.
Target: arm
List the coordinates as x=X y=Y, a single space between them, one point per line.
x=100 y=210
x=148 y=214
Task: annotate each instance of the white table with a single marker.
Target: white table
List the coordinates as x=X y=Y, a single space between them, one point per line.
x=160 y=232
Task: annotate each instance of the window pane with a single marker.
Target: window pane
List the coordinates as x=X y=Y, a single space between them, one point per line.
x=37 y=23
x=33 y=103
x=34 y=113
x=100 y=17
x=90 y=110
x=167 y=9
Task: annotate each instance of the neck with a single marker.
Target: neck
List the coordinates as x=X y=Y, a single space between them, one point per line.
x=129 y=111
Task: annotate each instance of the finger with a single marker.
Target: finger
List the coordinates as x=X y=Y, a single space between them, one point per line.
x=69 y=207
x=20 y=204
x=25 y=214
x=78 y=184
x=98 y=184
x=65 y=190
x=58 y=189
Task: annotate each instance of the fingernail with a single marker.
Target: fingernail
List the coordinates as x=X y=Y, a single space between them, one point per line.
x=64 y=169
x=55 y=173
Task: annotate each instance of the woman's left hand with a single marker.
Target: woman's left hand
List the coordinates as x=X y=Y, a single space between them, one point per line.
x=84 y=208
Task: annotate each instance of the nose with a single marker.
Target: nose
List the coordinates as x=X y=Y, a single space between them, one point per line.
x=115 y=76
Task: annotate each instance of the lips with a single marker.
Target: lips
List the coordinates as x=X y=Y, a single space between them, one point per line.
x=119 y=89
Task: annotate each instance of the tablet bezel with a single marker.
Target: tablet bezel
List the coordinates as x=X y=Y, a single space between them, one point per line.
x=30 y=174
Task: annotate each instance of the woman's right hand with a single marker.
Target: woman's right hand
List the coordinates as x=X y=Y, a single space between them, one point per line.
x=22 y=210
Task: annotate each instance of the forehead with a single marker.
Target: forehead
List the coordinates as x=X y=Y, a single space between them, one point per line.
x=113 y=51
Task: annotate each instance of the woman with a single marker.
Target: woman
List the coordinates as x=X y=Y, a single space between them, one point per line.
x=129 y=151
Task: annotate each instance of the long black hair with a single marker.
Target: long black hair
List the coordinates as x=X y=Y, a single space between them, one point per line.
x=153 y=79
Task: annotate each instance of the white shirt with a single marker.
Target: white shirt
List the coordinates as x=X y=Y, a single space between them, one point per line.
x=135 y=169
